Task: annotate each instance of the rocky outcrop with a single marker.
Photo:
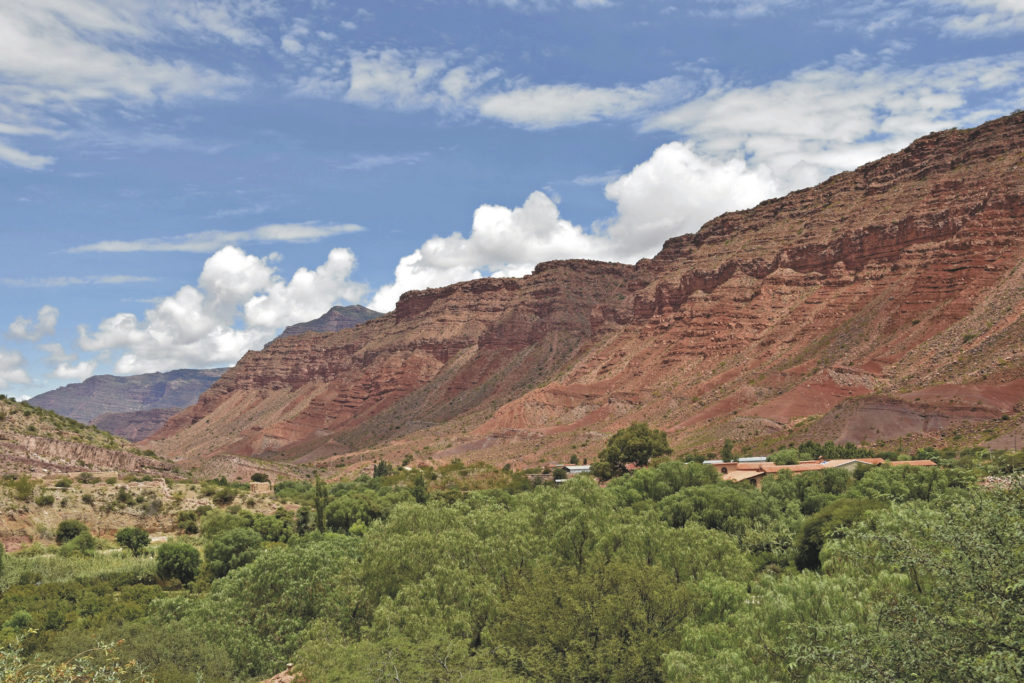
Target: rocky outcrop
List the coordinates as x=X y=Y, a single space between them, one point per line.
x=903 y=274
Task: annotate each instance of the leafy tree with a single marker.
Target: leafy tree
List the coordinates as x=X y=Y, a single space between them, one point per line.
x=382 y=468
x=187 y=522
x=637 y=444
x=133 y=538
x=68 y=529
x=231 y=549
x=260 y=476
x=176 y=560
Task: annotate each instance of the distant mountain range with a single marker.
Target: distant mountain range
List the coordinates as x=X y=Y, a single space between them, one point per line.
x=134 y=407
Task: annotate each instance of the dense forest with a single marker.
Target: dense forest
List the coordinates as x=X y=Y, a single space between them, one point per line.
x=476 y=574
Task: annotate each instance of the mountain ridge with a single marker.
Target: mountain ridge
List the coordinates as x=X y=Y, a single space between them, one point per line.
x=899 y=275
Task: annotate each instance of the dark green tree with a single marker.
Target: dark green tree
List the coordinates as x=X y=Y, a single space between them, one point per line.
x=133 y=538
x=68 y=529
x=320 y=503
x=179 y=561
x=231 y=549
x=637 y=444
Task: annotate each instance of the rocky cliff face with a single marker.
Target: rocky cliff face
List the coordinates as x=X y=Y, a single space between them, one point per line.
x=338 y=318
x=902 y=276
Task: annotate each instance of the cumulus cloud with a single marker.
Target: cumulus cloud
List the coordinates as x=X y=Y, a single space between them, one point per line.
x=12 y=370
x=673 y=192
x=824 y=119
x=239 y=302
x=211 y=240
x=74 y=373
x=44 y=325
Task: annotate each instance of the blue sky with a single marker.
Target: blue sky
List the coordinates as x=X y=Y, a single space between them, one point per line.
x=182 y=179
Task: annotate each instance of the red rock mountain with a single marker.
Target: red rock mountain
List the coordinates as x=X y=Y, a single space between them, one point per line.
x=338 y=318
x=885 y=302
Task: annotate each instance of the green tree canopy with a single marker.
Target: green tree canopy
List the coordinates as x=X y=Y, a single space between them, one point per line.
x=176 y=560
x=133 y=538
x=637 y=444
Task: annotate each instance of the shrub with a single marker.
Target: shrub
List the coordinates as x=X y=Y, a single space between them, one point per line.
x=176 y=560
x=68 y=529
x=260 y=476
x=63 y=483
x=223 y=496
x=44 y=500
x=82 y=544
x=23 y=488
x=87 y=478
x=87 y=498
x=133 y=538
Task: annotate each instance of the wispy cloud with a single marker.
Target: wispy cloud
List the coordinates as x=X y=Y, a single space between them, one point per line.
x=212 y=240
x=56 y=56
x=366 y=162
x=68 y=281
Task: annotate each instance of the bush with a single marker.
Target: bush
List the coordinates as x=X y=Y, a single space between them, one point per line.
x=177 y=561
x=23 y=488
x=87 y=498
x=63 y=483
x=223 y=496
x=68 y=529
x=82 y=544
x=260 y=476
x=133 y=538
x=45 y=500
x=87 y=478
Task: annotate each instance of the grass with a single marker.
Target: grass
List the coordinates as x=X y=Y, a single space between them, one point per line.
x=41 y=566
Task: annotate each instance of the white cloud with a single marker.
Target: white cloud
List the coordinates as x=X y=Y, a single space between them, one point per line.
x=412 y=80
x=76 y=373
x=211 y=240
x=56 y=353
x=981 y=17
x=12 y=370
x=821 y=120
x=550 y=106
x=17 y=157
x=58 y=55
x=673 y=192
x=239 y=303
x=44 y=325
